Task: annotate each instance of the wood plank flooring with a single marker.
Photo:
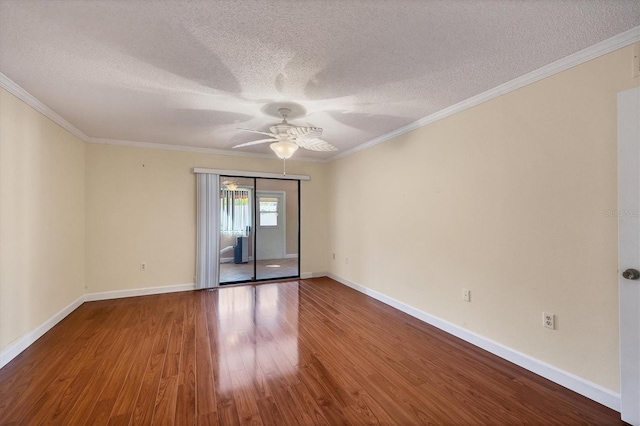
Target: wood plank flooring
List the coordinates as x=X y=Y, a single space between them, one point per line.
x=300 y=352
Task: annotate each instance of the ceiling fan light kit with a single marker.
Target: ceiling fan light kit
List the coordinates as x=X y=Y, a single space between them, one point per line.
x=230 y=185
x=284 y=149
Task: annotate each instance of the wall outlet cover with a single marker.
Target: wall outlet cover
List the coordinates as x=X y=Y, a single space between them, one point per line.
x=549 y=320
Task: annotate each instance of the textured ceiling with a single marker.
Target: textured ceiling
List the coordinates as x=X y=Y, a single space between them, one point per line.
x=190 y=72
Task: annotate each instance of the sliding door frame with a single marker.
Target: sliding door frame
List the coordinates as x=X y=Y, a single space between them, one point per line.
x=241 y=173
x=270 y=176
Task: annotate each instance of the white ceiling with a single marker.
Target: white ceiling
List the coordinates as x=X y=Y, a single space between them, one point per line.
x=189 y=73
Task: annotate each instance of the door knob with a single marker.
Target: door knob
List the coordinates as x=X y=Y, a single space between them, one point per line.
x=631 y=274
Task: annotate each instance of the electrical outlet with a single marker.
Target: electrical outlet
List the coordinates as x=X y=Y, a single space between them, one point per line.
x=143 y=266
x=466 y=295
x=334 y=256
x=549 y=320
x=346 y=260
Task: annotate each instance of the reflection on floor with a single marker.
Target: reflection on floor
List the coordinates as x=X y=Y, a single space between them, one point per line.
x=259 y=322
x=266 y=269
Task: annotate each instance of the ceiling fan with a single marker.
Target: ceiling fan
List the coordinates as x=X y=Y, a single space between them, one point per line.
x=287 y=138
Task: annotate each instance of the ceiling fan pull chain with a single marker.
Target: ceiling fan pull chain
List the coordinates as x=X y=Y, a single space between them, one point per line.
x=284 y=166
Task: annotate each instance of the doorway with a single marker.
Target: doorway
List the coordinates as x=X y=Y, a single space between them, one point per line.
x=271 y=220
x=629 y=252
x=259 y=229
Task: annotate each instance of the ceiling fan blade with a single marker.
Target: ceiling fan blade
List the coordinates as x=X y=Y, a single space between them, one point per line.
x=315 y=144
x=305 y=132
x=258 y=132
x=256 y=142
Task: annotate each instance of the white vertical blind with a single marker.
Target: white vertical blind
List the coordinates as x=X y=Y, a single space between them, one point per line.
x=235 y=211
x=208 y=230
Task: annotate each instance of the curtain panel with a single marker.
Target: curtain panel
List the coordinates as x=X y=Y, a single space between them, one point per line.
x=208 y=230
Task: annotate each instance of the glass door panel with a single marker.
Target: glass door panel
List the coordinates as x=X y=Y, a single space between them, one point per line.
x=277 y=228
x=236 y=229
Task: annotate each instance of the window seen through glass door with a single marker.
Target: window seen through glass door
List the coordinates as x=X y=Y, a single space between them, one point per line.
x=268 y=211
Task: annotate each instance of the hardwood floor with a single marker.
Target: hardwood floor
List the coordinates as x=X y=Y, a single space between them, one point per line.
x=300 y=352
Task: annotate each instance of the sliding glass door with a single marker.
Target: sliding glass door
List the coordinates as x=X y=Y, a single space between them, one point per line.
x=259 y=229
x=236 y=229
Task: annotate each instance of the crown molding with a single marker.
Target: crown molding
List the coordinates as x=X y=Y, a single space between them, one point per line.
x=202 y=150
x=619 y=41
x=16 y=90
x=26 y=97
x=607 y=46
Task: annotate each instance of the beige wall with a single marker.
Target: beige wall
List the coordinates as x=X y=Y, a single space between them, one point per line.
x=507 y=199
x=41 y=219
x=141 y=208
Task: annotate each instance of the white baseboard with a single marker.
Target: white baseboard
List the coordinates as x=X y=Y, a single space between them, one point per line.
x=118 y=294
x=307 y=275
x=15 y=348
x=577 y=384
x=291 y=256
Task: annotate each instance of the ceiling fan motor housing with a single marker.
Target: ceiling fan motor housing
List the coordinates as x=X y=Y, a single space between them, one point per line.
x=281 y=129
